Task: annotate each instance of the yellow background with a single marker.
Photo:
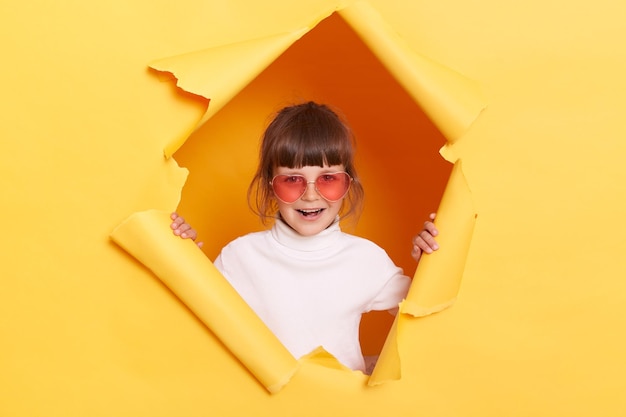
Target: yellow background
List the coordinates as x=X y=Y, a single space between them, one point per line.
x=538 y=325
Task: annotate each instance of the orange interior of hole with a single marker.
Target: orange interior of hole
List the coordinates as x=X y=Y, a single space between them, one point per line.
x=397 y=149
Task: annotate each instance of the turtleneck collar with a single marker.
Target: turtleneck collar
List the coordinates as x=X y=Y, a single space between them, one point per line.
x=291 y=239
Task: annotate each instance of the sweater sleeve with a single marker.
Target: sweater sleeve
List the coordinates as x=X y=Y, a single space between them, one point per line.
x=392 y=293
x=392 y=285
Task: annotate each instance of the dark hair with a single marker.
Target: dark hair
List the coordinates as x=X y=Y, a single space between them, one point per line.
x=307 y=134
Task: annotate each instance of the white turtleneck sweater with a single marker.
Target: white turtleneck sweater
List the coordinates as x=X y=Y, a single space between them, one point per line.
x=311 y=291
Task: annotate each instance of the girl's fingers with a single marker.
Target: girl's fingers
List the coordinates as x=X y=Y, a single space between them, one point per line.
x=190 y=234
x=431 y=228
x=425 y=241
x=416 y=253
x=425 y=244
x=183 y=229
x=176 y=221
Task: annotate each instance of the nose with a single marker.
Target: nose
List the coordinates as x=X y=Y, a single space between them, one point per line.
x=310 y=193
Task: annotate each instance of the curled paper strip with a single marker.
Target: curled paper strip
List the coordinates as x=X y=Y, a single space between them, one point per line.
x=194 y=279
x=217 y=73
x=451 y=100
x=438 y=278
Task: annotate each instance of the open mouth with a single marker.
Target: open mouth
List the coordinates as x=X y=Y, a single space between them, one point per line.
x=313 y=212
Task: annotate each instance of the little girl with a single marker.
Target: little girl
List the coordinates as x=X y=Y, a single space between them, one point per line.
x=306 y=279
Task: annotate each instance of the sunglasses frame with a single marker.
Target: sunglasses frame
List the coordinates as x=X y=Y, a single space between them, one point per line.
x=311 y=182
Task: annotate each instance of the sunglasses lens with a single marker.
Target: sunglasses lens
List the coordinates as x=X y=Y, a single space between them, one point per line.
x=289 y=188
x=332 y=187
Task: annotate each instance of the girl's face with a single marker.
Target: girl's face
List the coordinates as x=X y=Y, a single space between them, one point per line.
x=311 y=213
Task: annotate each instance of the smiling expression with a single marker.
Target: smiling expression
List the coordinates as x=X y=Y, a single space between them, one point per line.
x=311 y=213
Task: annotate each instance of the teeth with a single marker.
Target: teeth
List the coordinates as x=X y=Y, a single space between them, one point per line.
x=310 y=211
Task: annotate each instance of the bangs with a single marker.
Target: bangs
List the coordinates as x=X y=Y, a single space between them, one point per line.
x=313 y=139
x=307 y=151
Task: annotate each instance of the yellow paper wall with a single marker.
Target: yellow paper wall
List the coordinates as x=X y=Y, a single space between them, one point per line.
x=536 y=328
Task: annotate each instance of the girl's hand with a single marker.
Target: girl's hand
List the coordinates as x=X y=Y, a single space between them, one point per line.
x=424 y=241
x=182 y=229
